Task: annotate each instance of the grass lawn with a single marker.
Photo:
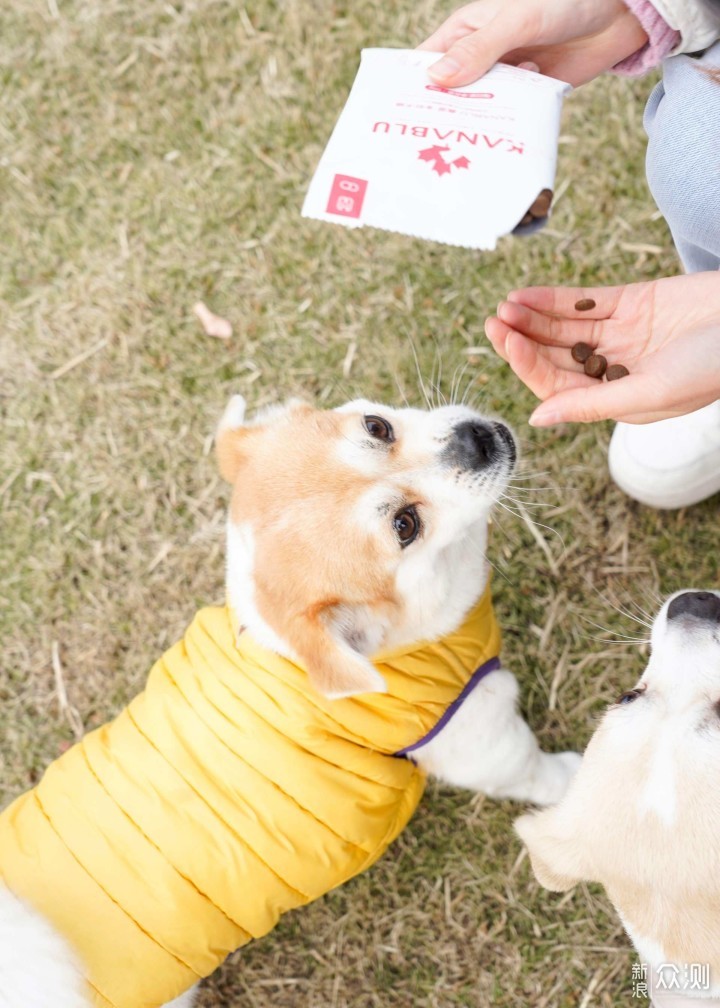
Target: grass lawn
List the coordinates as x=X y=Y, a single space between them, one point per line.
x=154 y=154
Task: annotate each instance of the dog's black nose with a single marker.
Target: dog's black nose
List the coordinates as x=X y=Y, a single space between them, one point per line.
x=703 y=605
x=476 y=444
x=507 y=441
x=473 y=444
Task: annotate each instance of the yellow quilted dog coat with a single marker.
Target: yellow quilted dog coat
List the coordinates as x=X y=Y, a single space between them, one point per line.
x=225 y=794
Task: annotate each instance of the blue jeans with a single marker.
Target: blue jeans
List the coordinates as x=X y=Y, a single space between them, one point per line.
x=682 y=119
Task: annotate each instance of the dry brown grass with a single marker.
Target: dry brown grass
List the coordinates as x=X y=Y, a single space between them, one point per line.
x=155 y=155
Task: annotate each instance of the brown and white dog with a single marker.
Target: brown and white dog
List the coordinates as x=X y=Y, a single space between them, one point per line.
x=642 y=816
x=371 y=522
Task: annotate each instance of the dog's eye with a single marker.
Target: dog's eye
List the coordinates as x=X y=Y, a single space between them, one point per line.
x=379 y=428
x=626 y=698
x=407 y=526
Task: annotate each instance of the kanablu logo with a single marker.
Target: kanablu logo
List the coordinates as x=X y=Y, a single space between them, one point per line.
x=461 y=137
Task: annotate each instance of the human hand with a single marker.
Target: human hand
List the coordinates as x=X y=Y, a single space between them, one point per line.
x=572 y=40
x=666 y=332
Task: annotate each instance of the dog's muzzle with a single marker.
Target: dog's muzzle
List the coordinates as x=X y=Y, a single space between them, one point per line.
x=701 y=605
x=479 y=444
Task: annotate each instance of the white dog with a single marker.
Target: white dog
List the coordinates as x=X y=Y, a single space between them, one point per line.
x=269 y=757
x=642 y=815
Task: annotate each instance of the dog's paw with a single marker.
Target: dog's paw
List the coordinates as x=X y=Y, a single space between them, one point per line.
x=554 y=773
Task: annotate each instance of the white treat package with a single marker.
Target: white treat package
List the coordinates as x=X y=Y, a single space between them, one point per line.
x=455 y=165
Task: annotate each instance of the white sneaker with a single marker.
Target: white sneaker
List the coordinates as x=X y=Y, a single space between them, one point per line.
x=670 y=463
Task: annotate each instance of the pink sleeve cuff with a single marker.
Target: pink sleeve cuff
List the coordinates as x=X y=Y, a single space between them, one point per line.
x=662 y=39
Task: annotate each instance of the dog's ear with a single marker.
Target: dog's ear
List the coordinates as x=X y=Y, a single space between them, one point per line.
x=233 y=430
x=328 y=649
x=556 y=853
x=229 y=437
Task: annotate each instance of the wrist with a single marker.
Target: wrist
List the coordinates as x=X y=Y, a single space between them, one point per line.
x=661 y=40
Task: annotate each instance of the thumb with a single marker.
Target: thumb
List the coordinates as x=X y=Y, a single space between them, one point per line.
x=468 y=58
x=472 y=55
x=602 y=401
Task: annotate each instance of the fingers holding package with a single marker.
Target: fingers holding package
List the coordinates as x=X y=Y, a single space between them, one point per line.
x=570 y=40
x=475 y=37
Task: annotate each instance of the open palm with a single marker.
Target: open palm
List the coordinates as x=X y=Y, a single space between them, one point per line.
x=666 y=332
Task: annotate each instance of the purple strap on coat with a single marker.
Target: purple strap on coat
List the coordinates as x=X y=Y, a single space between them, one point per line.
x=489 y=666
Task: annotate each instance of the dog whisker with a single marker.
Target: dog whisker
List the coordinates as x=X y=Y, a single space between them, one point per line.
x=499 y=571
x=527 y=502
x=629 y=638
x=436 y=382
x=623 y=612
x=401 y=392
x=649 y=617
x=619 y=641
x=497 y=523
x=439 y=396
x=457 y=379
x=526 y=486
x=524 y=474
x=535 y=526
x=468 y=388
x=423 y=387
x=458 y=375
x=629 y=615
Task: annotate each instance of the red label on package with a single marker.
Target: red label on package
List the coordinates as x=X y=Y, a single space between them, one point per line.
x=459 y=94
x=346 y=196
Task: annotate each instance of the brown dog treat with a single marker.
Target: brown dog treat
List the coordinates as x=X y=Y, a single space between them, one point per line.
x=616 y=371
x=542 y=203
x=581 y=351
x=584 y=304
x=595 y=365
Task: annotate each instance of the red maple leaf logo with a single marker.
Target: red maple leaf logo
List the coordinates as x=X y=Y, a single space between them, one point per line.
x=440 y=165
x=432 y=153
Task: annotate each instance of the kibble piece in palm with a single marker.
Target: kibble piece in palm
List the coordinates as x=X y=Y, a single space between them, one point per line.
x=581 y=351
x=595 y=365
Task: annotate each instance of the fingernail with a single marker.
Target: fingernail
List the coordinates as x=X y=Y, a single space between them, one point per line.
x=542 y=417
x=444 y=68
